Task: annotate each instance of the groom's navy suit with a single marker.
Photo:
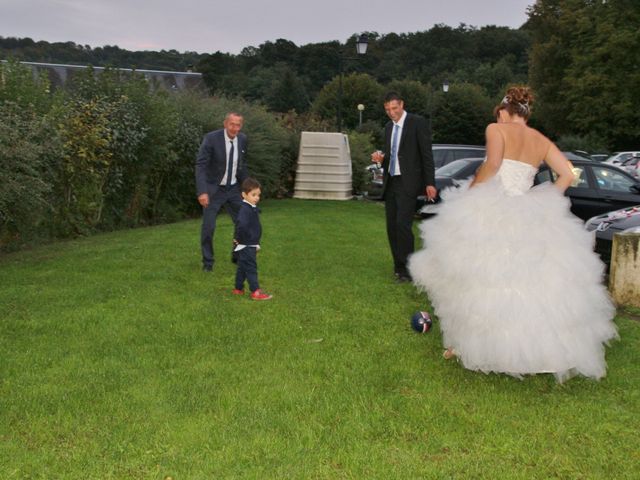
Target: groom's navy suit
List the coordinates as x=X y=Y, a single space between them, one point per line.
x=400 y=192
x=211 y=166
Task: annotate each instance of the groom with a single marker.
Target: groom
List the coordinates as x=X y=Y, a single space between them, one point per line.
x=408 y=171
x=220 y=169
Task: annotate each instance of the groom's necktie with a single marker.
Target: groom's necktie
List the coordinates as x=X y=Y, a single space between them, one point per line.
x=394 y=150
x=230 y=165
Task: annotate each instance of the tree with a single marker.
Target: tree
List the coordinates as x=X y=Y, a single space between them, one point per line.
x=319 y=63
x=278 y=87
x=287 y=93
x=584 y=68
x=215 y=69
x=356 y=88
x=461 y=115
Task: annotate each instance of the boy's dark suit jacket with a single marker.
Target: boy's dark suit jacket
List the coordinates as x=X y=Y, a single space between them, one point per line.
x=211 y=162
x=248 y=228
x=414 y=155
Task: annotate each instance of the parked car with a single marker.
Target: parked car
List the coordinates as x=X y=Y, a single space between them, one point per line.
x=597 y=188
x=449 y=175
x=453 y=173
x=620 y=157
x=599 y=157
x=442 y=155
x=373 y=188
x=577 y=155
x=632 y=166
x=608 y=224
x=447 y=153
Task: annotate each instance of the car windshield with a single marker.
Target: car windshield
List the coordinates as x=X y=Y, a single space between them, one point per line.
x=450 y=169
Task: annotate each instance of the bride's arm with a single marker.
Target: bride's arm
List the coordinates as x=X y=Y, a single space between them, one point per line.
x=495 y=154
x=561 y=166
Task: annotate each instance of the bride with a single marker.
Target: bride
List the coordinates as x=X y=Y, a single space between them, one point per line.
x=509 y=270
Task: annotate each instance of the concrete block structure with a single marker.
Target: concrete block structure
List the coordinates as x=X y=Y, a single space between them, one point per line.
x=624 y=275
x=324 y=167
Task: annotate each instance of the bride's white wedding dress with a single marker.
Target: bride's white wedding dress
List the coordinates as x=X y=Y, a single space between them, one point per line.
x=513 y=279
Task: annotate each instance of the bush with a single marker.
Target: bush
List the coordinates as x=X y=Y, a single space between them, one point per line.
x=110 y=152
x=27 y=143
x=295 y=124
x=361 y=146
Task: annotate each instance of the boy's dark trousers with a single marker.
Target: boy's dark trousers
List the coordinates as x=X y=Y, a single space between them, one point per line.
x=247 y=269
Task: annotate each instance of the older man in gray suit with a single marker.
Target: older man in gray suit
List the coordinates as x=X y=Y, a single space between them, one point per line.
x=220 y=169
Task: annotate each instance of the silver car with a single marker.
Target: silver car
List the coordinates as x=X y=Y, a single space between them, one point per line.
x=608 y=224
x=620 y=157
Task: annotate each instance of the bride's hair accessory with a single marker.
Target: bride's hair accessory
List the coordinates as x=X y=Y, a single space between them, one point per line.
x=522 y=106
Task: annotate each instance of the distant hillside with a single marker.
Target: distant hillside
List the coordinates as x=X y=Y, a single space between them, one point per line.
x=26 y=49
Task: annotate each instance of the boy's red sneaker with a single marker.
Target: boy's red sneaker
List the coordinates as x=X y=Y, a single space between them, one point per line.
x=237 y=292
x=260 y=295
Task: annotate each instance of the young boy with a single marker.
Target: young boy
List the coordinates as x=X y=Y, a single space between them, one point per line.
x=247 y=239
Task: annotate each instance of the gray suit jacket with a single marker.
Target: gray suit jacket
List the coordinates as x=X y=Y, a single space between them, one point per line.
x=211 y=162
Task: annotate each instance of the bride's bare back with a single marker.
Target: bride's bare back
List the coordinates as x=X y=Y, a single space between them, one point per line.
x=523 y=143
x=511 y=138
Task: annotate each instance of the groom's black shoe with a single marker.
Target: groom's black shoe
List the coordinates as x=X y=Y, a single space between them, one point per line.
x=207 y=268
x=403 y=277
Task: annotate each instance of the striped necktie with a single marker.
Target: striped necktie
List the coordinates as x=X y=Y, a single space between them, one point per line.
x=394 y=150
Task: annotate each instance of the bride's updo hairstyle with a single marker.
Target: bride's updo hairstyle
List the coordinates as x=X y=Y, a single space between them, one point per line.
x=517 y=101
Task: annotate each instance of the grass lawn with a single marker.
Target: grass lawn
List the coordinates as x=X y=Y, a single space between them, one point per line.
x=121 y=359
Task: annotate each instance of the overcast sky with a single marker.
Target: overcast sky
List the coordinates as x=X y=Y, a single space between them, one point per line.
x=207 y=26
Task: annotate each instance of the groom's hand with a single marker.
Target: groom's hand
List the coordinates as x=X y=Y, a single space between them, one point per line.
x=203 y=200
x=431 y=192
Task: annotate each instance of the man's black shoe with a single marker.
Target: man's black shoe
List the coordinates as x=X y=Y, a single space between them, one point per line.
x=404 y=278
x=207 y=268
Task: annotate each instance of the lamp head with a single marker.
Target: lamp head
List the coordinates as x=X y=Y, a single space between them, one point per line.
x=361 y=44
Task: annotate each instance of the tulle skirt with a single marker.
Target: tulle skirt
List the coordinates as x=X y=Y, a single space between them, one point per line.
x=514 y=282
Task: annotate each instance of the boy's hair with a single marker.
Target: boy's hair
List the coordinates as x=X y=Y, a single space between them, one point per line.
x=249 y=184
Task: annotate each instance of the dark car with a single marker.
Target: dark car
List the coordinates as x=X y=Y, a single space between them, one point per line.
x=442 y=155
x=453 y=173
x=446 y=153
x=577 y=155
x=608 y=224
x=449 y=175
x=597 y=188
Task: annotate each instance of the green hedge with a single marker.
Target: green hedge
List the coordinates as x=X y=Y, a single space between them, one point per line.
x=110 y=152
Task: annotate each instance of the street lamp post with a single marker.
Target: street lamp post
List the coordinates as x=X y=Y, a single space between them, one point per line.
x=360 y=110
x=361 y=48
x=445 y=89
x=432 y=109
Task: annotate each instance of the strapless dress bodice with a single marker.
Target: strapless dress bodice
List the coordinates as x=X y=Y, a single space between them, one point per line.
x=516 y=177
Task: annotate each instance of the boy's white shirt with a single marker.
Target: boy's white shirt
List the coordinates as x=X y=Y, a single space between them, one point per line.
x=241 y=246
